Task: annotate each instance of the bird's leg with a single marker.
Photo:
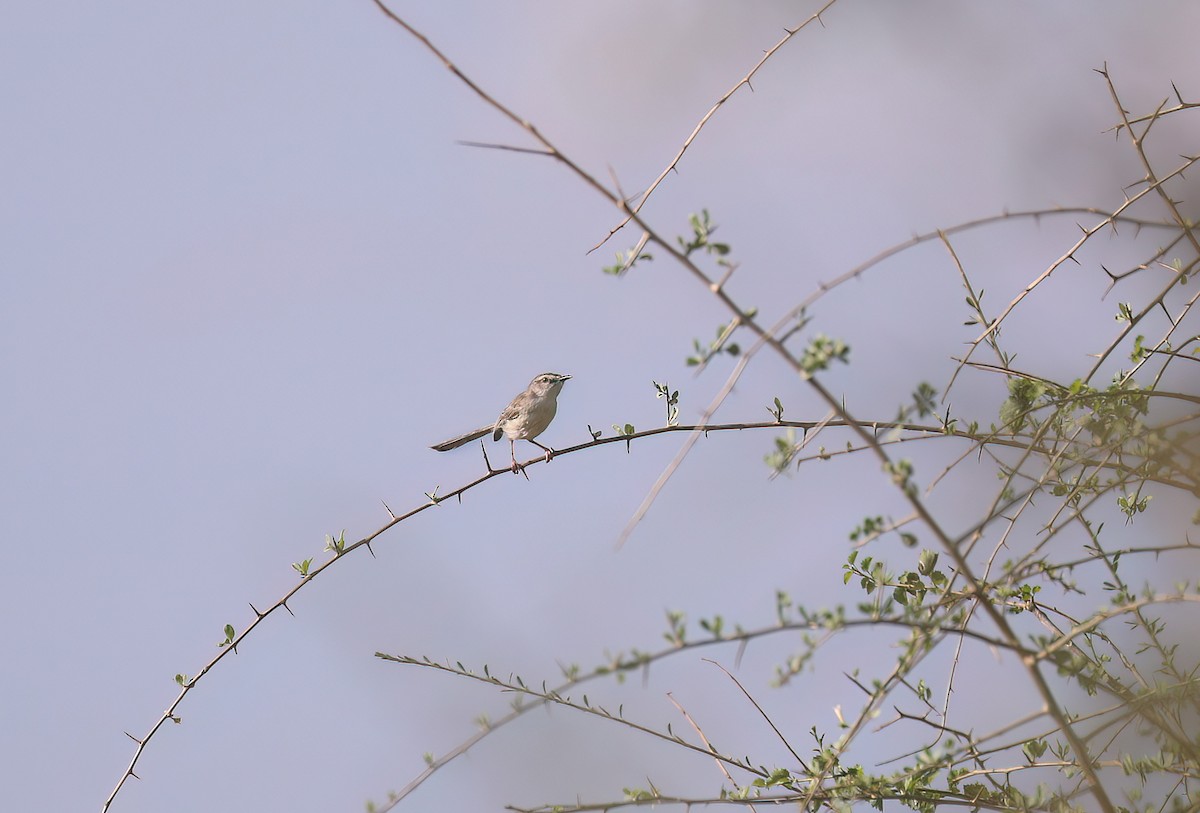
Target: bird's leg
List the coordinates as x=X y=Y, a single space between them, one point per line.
x=512 y=450
x=549 y=452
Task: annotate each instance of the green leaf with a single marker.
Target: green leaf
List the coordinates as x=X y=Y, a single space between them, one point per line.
x=1034 y=749
x=822 y=351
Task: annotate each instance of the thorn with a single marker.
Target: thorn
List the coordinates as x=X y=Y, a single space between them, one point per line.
x=135 y=739
x=370 y=550
x=717 y=286
x=289 y=609
x=135 y=776
x=256 y=612
x=389 y=510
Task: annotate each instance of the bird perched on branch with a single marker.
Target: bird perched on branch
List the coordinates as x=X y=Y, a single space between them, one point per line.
x=524 y=419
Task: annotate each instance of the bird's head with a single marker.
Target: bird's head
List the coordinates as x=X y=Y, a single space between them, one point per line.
x=547 y=383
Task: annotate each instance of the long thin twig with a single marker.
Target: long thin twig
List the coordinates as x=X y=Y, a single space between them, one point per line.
x=673 y=164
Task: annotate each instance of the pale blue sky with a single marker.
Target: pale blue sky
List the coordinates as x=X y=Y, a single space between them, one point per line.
x=249 y=276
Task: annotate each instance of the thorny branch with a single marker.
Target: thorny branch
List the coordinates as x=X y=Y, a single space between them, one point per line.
x=975 y=591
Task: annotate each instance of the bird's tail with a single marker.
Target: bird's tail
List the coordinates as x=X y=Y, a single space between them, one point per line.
x=454 y=443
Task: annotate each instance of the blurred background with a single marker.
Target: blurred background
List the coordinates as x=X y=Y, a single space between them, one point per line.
x=250 y=275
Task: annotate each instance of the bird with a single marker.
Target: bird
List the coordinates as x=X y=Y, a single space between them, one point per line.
x=526 y=417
